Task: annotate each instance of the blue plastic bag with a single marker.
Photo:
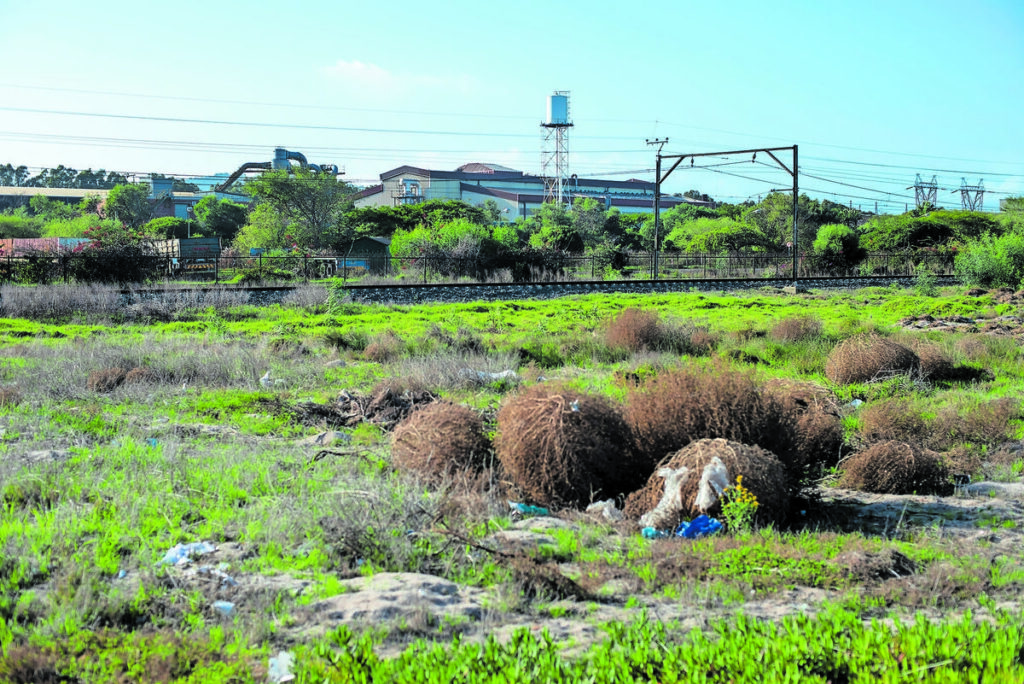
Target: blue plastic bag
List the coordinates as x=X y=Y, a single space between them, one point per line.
x=701 y=526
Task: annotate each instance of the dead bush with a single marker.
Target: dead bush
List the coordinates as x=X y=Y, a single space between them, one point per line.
x=106 y=379
x=9 y=396
x=985 y=423
x=440 y=439
x=896 y=468
x=636 y=330
x=560 y=447
x=893 y=419
x=702 y=342
x=869 y=357
x=682 y=405
x=383 y=348
x=817 y=445
x=763 y=474
x=936 y=366
x=796 y=329
x=139 y=374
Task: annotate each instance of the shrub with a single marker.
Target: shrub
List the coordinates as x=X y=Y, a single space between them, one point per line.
x=796 y=329
x=439 y=440
x=869 y=357
x=763 y=474
x=560 y=447
x=896 y=468
x=992 y=261
x=892 y=419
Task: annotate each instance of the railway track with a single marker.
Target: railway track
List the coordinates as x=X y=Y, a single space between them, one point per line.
x=464 y=292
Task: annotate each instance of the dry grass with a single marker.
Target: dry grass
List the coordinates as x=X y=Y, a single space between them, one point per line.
x=458 y=370
x=560 y=447
x=763 y=474
x=112 y=303
x=865 y=358
x=440 y=439
x=896 y=468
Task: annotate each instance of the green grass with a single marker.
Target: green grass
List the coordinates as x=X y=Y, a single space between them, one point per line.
x=225 y=468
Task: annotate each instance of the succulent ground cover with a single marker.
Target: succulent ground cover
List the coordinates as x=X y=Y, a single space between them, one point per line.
x=266 y=434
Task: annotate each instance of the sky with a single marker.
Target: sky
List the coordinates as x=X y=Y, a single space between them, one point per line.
x=872 y=92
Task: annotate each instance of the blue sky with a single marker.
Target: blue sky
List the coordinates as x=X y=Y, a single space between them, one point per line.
x=872 y=92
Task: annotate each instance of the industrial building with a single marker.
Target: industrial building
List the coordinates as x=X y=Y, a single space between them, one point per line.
x=517 y=194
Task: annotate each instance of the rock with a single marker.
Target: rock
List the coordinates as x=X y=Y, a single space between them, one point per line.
x=337 y=363
x=1013 y=491
x=511 y=541
x=392 y=596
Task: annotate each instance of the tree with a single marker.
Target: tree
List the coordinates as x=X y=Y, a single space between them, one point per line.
x=49 y=209
x=221 y=218
x=312 y=203
x=130 y=204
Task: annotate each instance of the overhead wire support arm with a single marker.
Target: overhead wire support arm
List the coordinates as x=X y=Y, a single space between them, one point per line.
x=770 y=151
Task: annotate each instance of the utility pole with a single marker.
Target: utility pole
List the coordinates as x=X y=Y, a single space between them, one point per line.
x=796 y=200
x=925 y=193
x=657 y=200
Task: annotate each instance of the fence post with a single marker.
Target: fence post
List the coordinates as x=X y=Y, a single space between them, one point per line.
x=259 y=264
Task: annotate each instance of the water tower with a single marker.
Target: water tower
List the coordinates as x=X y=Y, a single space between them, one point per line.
x=555 y=153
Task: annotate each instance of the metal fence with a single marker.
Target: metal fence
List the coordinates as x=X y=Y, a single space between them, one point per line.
x=47 y=268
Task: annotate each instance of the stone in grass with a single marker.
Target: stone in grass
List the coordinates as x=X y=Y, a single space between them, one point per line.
x=326 y=439
x=391 y=596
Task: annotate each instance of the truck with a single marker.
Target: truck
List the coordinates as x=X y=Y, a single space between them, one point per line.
x=189 y=255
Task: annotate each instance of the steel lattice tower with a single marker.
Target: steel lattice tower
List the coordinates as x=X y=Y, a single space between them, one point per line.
x=926 y=192
x=555 y=154
x=972 y=197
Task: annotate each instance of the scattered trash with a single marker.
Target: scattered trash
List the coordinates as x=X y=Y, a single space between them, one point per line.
x=606 y=509
x=280 y=669
x=121 y=574
x=225 y=579
x=575 y=405
x=526 y=509
x=152 y=442
x=182 y=554
x=701 y=526
x=225 y=608
x=854 y=404
x=651 y=533
x=670 y=508
x=713 y=481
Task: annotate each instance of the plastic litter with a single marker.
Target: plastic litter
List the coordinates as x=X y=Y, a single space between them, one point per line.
x=225 y=579
x=651 y=533
x=527 y=509
x=182 y=554
x=121 y=574
x=280 y=669
x=225 y=608
x=855 y=403
x=713 y=481
x=701 y=526
x=606 y=509
x=152 y=442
